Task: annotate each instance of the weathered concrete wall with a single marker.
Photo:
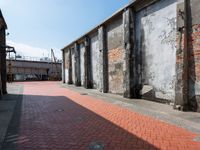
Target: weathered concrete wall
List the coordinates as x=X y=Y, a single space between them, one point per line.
x=73 y=65
x=82 y=68
x=95 y=60
x=156 y=39
x=66 y=55
x=150 y=44
x=77 y=64
x=116 y=55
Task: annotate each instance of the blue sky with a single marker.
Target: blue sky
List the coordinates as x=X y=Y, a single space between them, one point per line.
x=39 y=25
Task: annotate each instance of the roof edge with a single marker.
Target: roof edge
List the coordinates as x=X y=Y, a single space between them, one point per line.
x=100 y=24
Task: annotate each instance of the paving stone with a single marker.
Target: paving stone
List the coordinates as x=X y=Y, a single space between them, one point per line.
x=87 y=123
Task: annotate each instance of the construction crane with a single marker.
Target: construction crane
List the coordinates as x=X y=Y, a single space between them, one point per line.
x=55 y=75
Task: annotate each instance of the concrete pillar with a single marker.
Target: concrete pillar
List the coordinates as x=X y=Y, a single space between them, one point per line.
x=87 y=64
x=77 y=65
x=63 y=67
x=70 y=67
x=132 y=74
x=182 y=55
x=103 y=70
x=187 y=58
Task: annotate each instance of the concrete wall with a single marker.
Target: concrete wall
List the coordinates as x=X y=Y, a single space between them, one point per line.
x=73 y=65
x=156 y=39
x=66 y=55
x=149 y=45
x=115 y=56
x=82 y=68
x=95 y=60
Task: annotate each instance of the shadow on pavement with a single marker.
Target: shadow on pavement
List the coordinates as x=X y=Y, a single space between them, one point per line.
x=13 y=128
x=58 y=123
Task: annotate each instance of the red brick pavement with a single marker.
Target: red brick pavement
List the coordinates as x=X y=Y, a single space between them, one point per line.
x=55 y=118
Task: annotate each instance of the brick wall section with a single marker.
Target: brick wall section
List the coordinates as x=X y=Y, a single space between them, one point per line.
x=195 y=53
x=194 y=61
x=116 y=56
x=116 y=63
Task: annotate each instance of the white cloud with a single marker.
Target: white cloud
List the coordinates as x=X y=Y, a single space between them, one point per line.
x=30 y=51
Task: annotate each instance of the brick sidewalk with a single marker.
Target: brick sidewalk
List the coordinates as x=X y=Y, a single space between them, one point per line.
x=55 y=118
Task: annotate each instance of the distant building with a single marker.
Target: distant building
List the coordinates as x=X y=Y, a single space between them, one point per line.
x=45 y=59
x=26 y=70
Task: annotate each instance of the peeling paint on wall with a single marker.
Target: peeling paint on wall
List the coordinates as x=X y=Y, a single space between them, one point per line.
x=156 y=38
x=73 y=65
x=82 y=71
x=95 y=55
x=66 y=54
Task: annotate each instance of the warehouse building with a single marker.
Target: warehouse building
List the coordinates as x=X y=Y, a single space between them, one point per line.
x=149 y=49
x=28 y=70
